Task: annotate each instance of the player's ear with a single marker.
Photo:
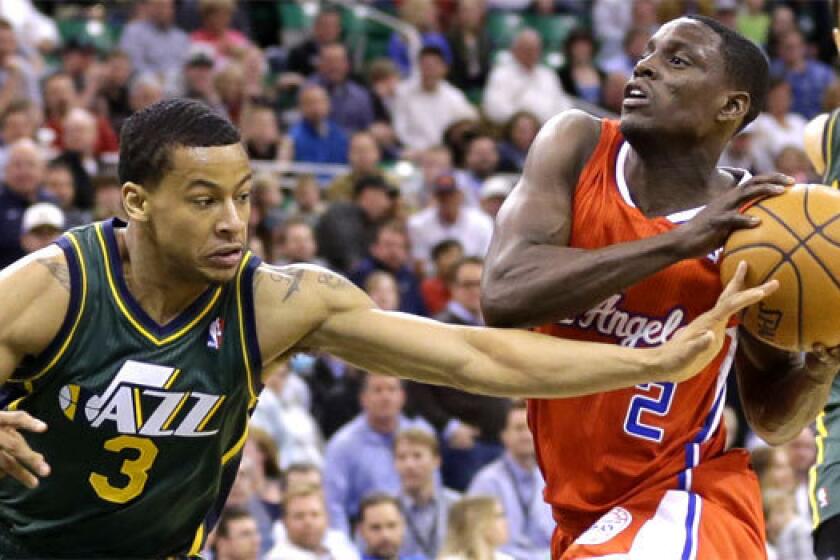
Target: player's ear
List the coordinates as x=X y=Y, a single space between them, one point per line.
x=736 y=107
x=135 y=201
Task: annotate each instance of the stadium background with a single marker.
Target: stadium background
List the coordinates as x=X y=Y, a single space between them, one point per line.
x=384 y=134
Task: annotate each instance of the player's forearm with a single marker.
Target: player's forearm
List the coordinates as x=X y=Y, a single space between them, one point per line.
x=538 y=284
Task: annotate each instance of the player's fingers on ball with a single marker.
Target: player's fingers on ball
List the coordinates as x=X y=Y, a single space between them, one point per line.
x=20 y=419
x=735 y=284
x=13 y=468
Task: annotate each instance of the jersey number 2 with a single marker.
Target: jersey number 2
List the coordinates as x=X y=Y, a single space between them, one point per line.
x=136 y=469
x=656 y=402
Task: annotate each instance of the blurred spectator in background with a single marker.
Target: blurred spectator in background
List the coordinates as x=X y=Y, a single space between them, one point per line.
x=613 y=92
x=777 y=127
x=59 y=98
x=435 y=288
x=476 y=529
x=299 y=475
x=237 y=536
x=753 y=21
x=21 y=188
x=423 y=500
x=518 y=136
x=470 y=424
x=79 y=154
x=113 y=94
x=787 y=532
x=41 y=224
x=306 y=201
x=216 y=31
x=635 y=43
x=742 y=154
x=471 y=46
x=579 y=75
x=294 y=243
x=347 y=229
x=802 y=453
x=381 y=528
x=261 y=133
x=481 y=160
x=361 y=454
x=389 y=252
x=335 y=388
x=244 y=493
x=610 y=21
x=261 y=449
x=364 y=157
x=384 y=78
x=782 y=20
x=351 y=104
x=515 y=481
x=523 y=83
x=59 y=182
x=18 y=79
x=326 y=30
x=198 y=78
x=317 y=138
x=794 y=162
x=458 y=135
x=808 y=78
x=79 y=61
x=107 y=201
x=772 y=466
x=287 y=420
x=38 y=34
x=266 y=198
x=423 y=15
x=306 y=535
x=154 y=43
x=426 y=106
x=382 y=289
x=16 y=122
x=230 y=87
x=434 y=162
x=494 y=193
x=449 y=218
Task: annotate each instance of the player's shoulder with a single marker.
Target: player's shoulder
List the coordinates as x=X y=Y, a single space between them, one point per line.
x=566 y=142
x=815 y=138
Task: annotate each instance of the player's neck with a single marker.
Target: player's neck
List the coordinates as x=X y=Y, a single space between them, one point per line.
x=664 y=181
x=162 y=294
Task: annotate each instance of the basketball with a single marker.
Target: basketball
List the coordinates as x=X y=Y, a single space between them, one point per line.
x=798 y=244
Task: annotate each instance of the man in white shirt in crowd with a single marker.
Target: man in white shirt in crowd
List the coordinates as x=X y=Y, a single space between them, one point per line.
x=306 y=535
x=426 y=105
x=449 y=218
x=514 y=479
x=523 y=83
x=423 y=499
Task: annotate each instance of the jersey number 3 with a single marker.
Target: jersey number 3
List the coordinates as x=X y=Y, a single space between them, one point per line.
x=657 y=401
x=135 y=468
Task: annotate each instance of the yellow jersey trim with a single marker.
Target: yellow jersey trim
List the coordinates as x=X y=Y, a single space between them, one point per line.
x=83 y=273
x=231 y=453
x=829 y=141
x=822 y=433
x=131 y=319
x=195 y=547
x=242 y=335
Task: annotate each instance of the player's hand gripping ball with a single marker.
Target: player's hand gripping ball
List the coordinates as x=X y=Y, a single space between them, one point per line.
x=798 y=244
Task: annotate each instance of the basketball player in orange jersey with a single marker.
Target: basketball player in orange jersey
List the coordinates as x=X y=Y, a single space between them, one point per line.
x=613 y=234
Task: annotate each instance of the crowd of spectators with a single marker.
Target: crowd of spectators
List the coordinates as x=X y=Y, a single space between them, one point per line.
x=385 y=135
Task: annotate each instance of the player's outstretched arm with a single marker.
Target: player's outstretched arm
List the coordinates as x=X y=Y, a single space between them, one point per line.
x=36 y=294
x=493 y=361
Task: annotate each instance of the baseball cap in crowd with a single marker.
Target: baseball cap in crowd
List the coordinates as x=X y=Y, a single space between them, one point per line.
x=42 y=215
x=200 y=55
x=374 y=182
x=496 y=186
x=445 y=184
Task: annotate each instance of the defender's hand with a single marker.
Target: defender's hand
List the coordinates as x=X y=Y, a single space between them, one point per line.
x=709 y=229
x=694 y=346
x=16 y=457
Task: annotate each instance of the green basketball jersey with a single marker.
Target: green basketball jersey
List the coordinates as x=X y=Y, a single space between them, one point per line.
x=146 y=422
x=825 y=475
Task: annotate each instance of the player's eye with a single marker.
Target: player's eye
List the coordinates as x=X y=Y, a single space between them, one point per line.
x=204 y=202
x=677 y=61
x=244 y=197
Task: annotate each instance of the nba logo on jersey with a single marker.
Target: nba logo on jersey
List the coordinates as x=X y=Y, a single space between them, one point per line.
x=214 y=333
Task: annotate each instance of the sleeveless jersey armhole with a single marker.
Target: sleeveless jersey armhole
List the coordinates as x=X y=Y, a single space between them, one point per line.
x=605 y=148
x=36 y=367
x=828 y=143
x=248 y=324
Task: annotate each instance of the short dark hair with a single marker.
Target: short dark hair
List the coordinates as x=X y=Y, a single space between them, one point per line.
x=376 y=499
x=149 y=136
x=299 y=467
x=444 y=246
x=456 y=268
x=229 y=515
x=15 y=107
x=431 y=50
x=745 y=65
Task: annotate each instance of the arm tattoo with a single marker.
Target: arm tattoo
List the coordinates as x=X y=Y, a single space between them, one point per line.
x=332 y=280
x=291 y=276
x=59 y=271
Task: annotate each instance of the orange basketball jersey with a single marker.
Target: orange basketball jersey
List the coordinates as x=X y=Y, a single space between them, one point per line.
x=599 y=451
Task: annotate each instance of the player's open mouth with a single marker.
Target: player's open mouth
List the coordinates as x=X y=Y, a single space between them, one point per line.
x=226 y=257
x=634 y=96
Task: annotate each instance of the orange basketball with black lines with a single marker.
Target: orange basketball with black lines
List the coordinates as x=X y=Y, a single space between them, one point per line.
x=798 y=244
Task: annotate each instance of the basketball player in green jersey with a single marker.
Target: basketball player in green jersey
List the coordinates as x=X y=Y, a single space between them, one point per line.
x=822 y=144
x=131 y=353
